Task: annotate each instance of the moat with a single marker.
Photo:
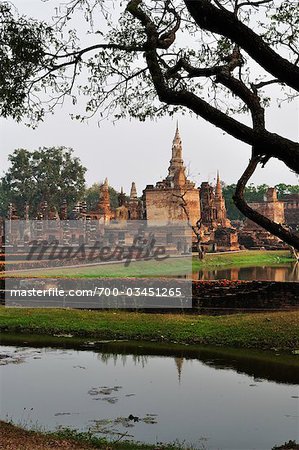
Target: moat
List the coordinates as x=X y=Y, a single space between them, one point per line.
x=210 y=397
x=287 y=272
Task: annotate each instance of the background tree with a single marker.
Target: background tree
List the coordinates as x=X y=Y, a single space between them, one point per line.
x=214 y=58
x=252 y=194
x=92 y=196
x=286 y=189
x=3 y=200
x=48 y=174
x=22 y=51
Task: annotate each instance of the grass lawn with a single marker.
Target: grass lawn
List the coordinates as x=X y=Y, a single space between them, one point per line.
x=244 y=258
x=262 y=330
x=169 y=267
x=16 y=438
x=151 y=268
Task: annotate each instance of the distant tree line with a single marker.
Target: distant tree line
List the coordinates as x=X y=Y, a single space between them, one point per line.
x=54 y=174
x=213 y=58
x=47 y=174
x=253 y=194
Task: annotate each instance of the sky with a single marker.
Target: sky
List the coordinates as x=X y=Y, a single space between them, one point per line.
x=130 y=150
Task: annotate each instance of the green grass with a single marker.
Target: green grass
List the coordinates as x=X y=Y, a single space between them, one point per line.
x=261 y=330
x=168 y=267
x=67 y=437
x=246 y=258
x=18 y=434
x=103 y=444
x=151 y=268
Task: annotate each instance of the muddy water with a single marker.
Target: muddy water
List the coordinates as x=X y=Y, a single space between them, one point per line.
x=215 y=399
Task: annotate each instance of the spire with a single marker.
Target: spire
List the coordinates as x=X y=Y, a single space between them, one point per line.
x=176 y=162
x=218 y=189
x=121 y=197
x=104 y=201
x=219 y=202
x=179 y=364
x=105 y=185
x=133 y=193
x=177 y=145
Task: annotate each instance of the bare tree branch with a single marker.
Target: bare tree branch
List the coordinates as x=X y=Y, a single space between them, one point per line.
x=256 y=86
x=274 y=228
x=255 y=4
x=225 y=23
x=195 y=228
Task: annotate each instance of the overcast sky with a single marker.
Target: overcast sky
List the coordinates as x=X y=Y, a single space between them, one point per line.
x=134 y=151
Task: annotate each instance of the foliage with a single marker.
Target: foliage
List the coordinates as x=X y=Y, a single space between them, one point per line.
x=3 y=200
x=23 y=45
x=48 y=174
x=92 y=195
x=285 y=189
x=146 y=58
x=253 y=194
x=119 y=73
x=291 y=445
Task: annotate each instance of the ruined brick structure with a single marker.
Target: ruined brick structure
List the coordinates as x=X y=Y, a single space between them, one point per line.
x=176 y=198
x=254 y=236
x=104 y=208
x=218 y=231
x=131 y=209
x=163 y=202
x=291 y=210
x=212 y=203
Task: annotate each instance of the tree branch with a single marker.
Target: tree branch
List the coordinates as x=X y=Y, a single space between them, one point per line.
x=249 y=3
x=191 y=70
x=274 y=228
x=272 y=144
x=256 y=86
x=250 y=98
x=195 y=228
x=225 y=23
x=79 y=53
x=234 y=60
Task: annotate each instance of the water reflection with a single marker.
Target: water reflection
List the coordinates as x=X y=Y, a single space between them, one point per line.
x=151 y=392
x=137 y=359
x=115 y=357
x=272 y=366
x=263 y=273
x=280 y=368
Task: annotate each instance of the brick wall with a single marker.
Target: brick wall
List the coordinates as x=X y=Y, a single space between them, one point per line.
x=228 y=296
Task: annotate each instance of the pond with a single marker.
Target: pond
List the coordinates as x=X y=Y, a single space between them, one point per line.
x=213 y=398
x=286 y=272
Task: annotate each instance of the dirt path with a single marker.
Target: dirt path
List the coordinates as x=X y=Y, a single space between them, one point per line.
x=14 y=438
